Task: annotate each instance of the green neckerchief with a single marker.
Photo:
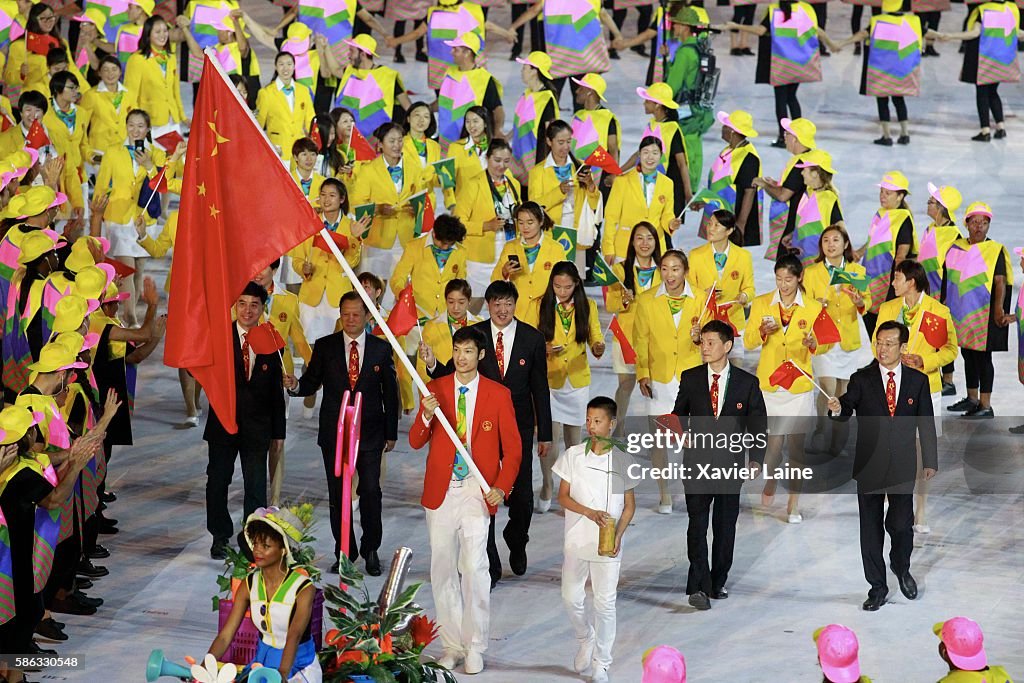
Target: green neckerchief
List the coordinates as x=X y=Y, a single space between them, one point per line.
x=565 y=315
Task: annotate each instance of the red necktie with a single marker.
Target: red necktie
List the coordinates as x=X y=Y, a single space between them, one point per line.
x=499 y=352
x=714 y=395
x=246 y=355
x=353 y=365
x=890 y=393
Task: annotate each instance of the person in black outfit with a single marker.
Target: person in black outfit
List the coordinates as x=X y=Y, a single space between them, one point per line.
x=523 y=370
x=894 y=409
x=259 y=412
x=718 y=398
x=352 y=360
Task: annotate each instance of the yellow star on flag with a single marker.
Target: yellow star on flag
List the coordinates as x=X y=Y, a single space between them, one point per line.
x=201 y=187
x=214 y=211
x=218 y=138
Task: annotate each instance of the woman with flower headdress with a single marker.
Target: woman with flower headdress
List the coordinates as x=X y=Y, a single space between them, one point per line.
x=279 y=597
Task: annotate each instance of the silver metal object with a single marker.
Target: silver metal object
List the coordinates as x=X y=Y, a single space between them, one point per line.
x=396 y=578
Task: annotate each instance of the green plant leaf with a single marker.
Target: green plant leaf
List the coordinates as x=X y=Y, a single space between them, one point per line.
x=216 y=604
x=406 y=597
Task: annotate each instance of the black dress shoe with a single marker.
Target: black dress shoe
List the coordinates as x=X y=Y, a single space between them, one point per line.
x=720 y=594
x=98 y=553
x=735 y=52
x=108 y=497
x=930 y=51
x=108 y=526
x=86 y=600
x=747 y=52
x=948 y=389
x=372 y=564
x=47 y=629
x=699 y=600
x=1019 y=429
x=421 y=56
x=779 y=143
x=34 y=649
x=883 y=141
x=640 y=50
x=399 y=58
x=334 y=567
x=90 y=570
x=962 y=406
x=219 y=550
x=83 y=584
x=982 y=137
x=71 y=606
x=908 y=586
x=903 y=140
x=613 y=54
x=517 y=561
x=999 y=134
x=58 y=624
x=874 y=601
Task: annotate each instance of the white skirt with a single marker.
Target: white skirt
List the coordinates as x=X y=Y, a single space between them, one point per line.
x=124 y=240
x=937 y=410
x=380 y=262
x=569 y=405
x=840 y=364
x=664 y=401
x=789 y=413
x=318 y=321
x=479 y=274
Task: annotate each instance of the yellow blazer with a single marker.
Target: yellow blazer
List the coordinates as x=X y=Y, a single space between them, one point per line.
x=474 y=204
x=627 y=206
x=284 y=316
x=545 y=190
x=438 y=336
x=934 y=358
x=737 y=277
x=373 y=185
x=840 y=306
x=530 y=281
x=428 y=282
x=107 y=122
x=159 y=93
x=663 y=350
x=284 y=124
x=74 y=146
x=467 y=167
x=785 y=344
x=613 y=297
x=571 y=363
x=124 y=183
x=327 y=277
x=314 y=187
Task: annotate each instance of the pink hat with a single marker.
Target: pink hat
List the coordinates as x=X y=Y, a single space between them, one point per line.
x=90 y=340
x=837 y=653
x=964 y=643
x=978 y=209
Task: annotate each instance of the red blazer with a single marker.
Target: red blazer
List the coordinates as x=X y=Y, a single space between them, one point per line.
x=496 y=447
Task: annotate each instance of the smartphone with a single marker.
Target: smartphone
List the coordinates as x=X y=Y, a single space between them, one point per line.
x=558 y=349
x=583 y=170
x=140 y=145
x=514 y=260
x=767 y=319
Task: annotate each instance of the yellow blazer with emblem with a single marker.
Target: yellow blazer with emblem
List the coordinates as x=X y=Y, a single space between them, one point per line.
x=663 y=350
x=428 y=281
x=284 y=316
x=530 y=281
x=107 y=126
x=327 y=277
x=284 y=124
x=840 y=306
x=571 y=363
x=934 y=358
x=74 y=146
x=613 y=298
x=785 y=344
x=474 y=204
x=314 y=186
x=627 y=206
x=546 y=191
x=438 y=336
x=159 y=92
x=736 y=278
x=373 y=185
x=124 y=183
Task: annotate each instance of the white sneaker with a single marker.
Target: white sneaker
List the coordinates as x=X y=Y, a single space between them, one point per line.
x=600 y=675
x=307 y=413
x=583 y=662
x=474 y=663
x=543 y=505
x=665 y=509
x=795 y=518
x=922 y=529
x=450 y=659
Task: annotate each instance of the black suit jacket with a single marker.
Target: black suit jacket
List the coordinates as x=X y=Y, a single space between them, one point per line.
x=259 y=404
x=526 y=376
x=742 y=421
x=328 y=367
x=886 y=458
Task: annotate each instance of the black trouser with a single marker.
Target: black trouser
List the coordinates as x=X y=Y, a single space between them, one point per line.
x=644 y=14
x=743 y=14
x=536 y=30
x=786 y=104
x=219 y=471
x=987 y=97
x=62 y=572
x=400 y=31
x=368 y=490
x=520 y=509
x=559 y=84
x=883 y=108
x=929 y=20
x=821 y=11
x=979 y=369
x=701 y=576
x=899 y=522
x=870 y=320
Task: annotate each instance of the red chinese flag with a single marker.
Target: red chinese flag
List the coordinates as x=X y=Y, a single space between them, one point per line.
x=159 y=184
x=785 y=375
x=216 y=250
x=121 y=269
x=628 y=352
x=339 y=239
x=5 y=122
x=37 y=137
x=265 y=339
x=40 y=43
x=403 y=316
x=825 y=330
x=169 y=141
x=363 y=150
x=933 y=327
x=314 y=135
x=603 y=160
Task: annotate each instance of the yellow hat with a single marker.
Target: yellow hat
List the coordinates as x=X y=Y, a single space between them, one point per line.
x=69 y=313
x=740 y=121
x=21 y=162
x=81 y=256
x=468 y=40
x=890 y=6
x=947 y=196
x=978 y=209
x=76 y=343
x=539 y=61
x=691 y=16
x=298 y=31
x=284 y=522
x=111 y=294
x=659 y=93
x=14 y=422
x=91 y=282
x=55 y=357
x=35 y=244
x=895 y=181
x=147 y=5
x=34 y=201
x=95 y=17
x=817 y=158
x=364 y=42
x=595 y=82
x=802 y=129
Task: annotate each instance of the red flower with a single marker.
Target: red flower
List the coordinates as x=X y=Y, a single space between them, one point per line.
x=423 y=630
x=385 y=644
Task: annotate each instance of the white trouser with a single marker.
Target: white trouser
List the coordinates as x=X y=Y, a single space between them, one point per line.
x=604 y=581
x=459 y=576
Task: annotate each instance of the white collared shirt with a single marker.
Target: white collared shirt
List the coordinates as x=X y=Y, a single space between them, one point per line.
x=360 y=348
x=291 y=98
x=508 y=336
x=897 y=377
x=798 y=301
x=242 y=333
x=723 y=382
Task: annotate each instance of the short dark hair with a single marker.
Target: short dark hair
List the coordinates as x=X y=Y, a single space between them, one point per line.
x=606 y=404
x=719 y=327
x=56 y=56
x=501 y=289
x=448 y=228
x=431 y=129
x=458 y=285
x=368 y=278
x=894 y=325
x=33 y=98
x=275 y=264
x=304 y=145
x=648 y=140
x=497 y=145
x=111 y=59
x=352 y=295
x=470 y=334
x=912 y=270
x=791 y=263
x=256 y=290
x=60 y=80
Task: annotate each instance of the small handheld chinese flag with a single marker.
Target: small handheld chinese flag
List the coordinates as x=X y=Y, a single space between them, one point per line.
x=628 y=352
x=825 y=330
x=37 y=137
x=403 y=316
x=5 y=122
x=933 y=327
x=603 y=160
x=121 y=269
x=170 y=141
x=362 y=148
x=159 y=184
x=314 y=135
x=265 y=339
x=785 y=375
x=338 y=238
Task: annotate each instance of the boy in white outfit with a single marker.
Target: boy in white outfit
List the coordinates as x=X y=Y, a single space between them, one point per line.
x=595 y=492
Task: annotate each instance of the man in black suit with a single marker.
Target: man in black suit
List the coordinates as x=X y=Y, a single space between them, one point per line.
x=721 y=401
x=523 y=368
x=354 y=360
x=259 y=413
x=894 y=409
